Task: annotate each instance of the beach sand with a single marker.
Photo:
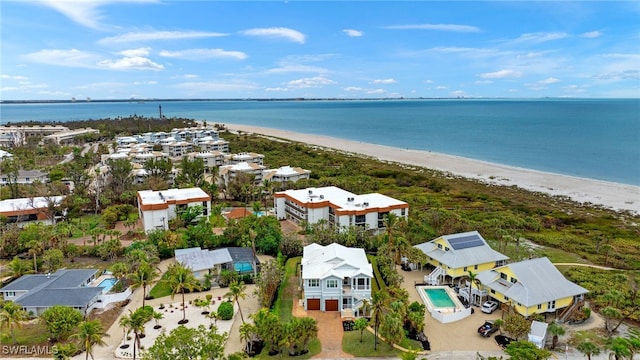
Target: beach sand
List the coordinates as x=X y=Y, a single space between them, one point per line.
x=615 y=196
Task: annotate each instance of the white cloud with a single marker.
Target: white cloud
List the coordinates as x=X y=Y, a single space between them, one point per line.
x=277 y=89
x=136 y=52
x=13 y=77
x=61 y=57
x=201 y=54
x=549 y=81
x=200 y=87
x=84 y=12
x=353 y=33
x=279 y=32
x=297 y=68
x=483 y=82
x=539 y=37
x=501 y=74
x=441 y=87
x=384 y=81
x=158 y=35
x=458 y=93
x=312 y=82
x=591 y=34
x=375 y=91
x=131 y=63
x=150 y=82
x=353 y=88
x=437 y=27
x=428 y=82
x=191 y=76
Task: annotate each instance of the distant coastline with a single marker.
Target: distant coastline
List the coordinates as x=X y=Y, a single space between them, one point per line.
x=615 y=196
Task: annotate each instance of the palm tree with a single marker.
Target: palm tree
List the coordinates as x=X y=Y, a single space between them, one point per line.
x=90 y=333
x=588 y=348
x=143 y=277
x=12 y=315
x=181 y=279
x=308 y=331
x=247 y=332
x=472 y=279
x=237 y=292
x=498 y=323
x=620 y=348
x=19 y=267
x=135 y=322
x=35 y=249
x=378 y=307
x=556 y=330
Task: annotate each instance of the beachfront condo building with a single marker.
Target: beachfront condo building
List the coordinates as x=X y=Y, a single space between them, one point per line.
x=338 y=207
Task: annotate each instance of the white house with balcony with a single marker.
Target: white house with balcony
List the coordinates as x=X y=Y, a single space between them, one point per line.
x=335 y=278
x=285 y=174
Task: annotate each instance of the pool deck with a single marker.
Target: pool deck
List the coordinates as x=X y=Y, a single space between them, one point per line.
x=443 y=314
x=99 y=279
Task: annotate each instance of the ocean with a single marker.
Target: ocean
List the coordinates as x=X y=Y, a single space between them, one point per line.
x=590 y=138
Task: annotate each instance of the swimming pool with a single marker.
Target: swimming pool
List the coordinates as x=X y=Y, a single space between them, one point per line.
x=442 y=303
x=439 y=298
x=107 y=284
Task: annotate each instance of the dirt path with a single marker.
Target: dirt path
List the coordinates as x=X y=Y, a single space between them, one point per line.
x=586 y=265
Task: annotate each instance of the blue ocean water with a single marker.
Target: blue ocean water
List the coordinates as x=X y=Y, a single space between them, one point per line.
x=590 y=138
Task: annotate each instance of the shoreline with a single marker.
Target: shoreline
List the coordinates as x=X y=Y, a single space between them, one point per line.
x=611 y=195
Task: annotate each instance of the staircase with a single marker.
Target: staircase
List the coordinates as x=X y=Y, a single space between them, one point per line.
x=569 y=310
x=434 y=277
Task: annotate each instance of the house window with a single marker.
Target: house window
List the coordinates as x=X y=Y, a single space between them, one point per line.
x=362 y=283
x=506 y=298
x=475 y=267
x=514 y=280
x=204 y=208
x=332 y=284
x=493 y=291
x=314 y=282
x=10 y=293
x=464 y=269
x=503 y=276
x=539 y=306
x=27 y=179
x=439 y=246
x=551 y=304
x=402 y=212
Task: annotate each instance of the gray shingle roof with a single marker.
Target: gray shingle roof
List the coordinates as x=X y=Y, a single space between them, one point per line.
x=538 y=282
x=63 y=296
x=27 y=282
x=456 y=258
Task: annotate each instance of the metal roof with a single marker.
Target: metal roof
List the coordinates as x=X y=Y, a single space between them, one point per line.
x=470 y=249
x=538 y=282
x=197 y=259
x=334 y=260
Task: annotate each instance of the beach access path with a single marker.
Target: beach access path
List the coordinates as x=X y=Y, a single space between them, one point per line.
x=616 y=196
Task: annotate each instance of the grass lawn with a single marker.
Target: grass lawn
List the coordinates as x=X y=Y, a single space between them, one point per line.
x=283 y=306
x=30 y=334
x=314 y=348
x=161 y=289
x=351 y=344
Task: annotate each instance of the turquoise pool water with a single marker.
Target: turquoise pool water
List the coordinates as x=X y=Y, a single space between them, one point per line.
x=107 y=284
x=243 y=267
x=439 y=298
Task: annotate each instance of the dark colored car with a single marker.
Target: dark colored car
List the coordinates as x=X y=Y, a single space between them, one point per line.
x=503 y=341
x=487 y=328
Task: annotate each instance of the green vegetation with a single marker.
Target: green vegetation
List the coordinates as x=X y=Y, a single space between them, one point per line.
x=351 y=345
x=162 y=288
x=283 y=305
x=225 y=310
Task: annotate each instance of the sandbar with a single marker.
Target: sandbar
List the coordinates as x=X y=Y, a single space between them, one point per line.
x=611 y=195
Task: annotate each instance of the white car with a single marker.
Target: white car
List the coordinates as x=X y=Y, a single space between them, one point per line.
x=489 y=307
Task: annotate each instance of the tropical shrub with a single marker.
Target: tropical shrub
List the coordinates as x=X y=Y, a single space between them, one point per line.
x=225 y=310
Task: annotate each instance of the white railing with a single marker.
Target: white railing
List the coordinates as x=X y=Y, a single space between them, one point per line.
x=106 y=299
x=447 y=317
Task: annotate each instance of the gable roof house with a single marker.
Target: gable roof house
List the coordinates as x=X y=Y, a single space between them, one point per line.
x=532 y=286
x=456 y=254
x=31 y=209
x=204 y=261
x=38 y=292
x=335 y=278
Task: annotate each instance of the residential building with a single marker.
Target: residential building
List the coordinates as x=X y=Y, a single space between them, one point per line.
x=204 y=261
x=455 y=255
x=206 y=144
x=340 y=208
x=246 y=157
x=11 y=136
x=335 y=278
x=285 y=174
x=177 y=149
x=211 y=159
x=29 y=209
x=38 y=292
x=227 y=173
x=531 y=287
x=5 y=155
x=156 y=208
x=142 y=157
x=68 y=137
x=25 y=177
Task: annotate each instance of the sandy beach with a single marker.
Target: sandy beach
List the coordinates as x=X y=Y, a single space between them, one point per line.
x=615 y=196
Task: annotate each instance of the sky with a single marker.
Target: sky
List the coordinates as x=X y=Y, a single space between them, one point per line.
x=153 y=49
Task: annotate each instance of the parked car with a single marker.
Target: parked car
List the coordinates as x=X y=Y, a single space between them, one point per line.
x=489 y=307
x=503 y=341
x=487 y=328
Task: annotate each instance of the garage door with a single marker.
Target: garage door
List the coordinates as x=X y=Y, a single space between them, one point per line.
x=331 y=305
x=313 y=304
